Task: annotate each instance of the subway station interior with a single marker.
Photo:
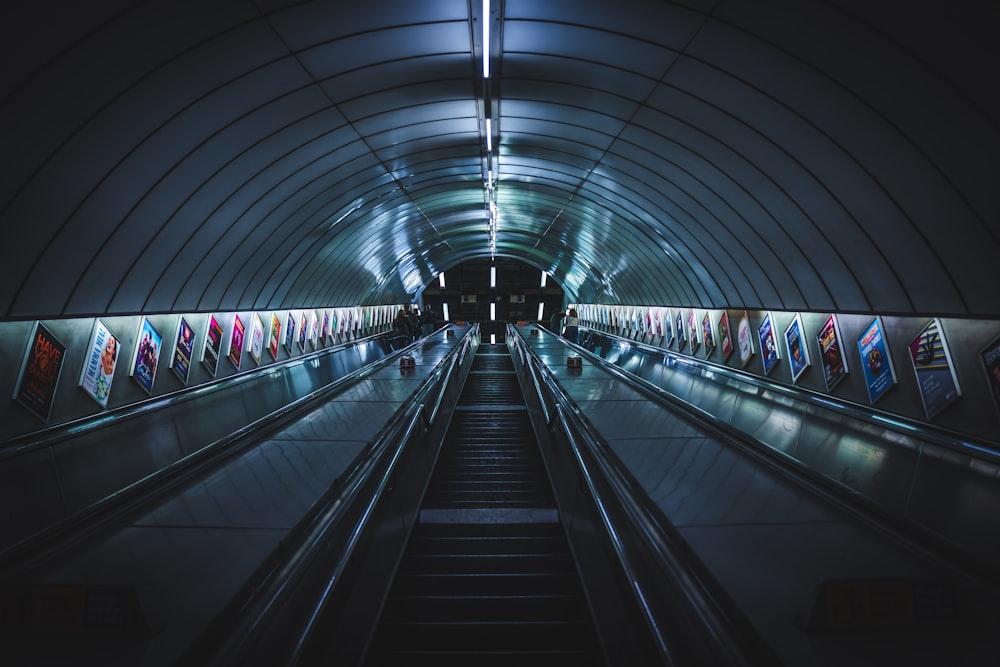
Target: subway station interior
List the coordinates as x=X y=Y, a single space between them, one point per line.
x=500 y=332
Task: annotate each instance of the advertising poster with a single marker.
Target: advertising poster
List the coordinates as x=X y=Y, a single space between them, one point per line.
x=213 y=346
x=798 y=351
x=274 y=337
x=313 y=328
x=768 y=344
x=256 y=338
x=725 y=339
x=303 y=329
x=831 y=353
x=744 y=338
x=36 y=383
x=668 y=328
x=692 y=331
x=991 y=364
x=180 y=363
x=936 y=377
x=99 y=364
x=289 y=332
x=659 y=321
x=679 y=329
x=147 y=355
x=707 y=335
x=324 y=331
x=876 y=363
x=236 y=341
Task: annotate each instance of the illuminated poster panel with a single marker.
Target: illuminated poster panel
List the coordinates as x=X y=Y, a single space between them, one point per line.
x=289 y=332
x=679 y=328
x=324 y=332
x=99 y=364
x=257 y=338
x=692 y=331
x=991 y=364
x=303 y=329
x=213 y=346
x=725 y=338
x=313 y=328
x=936 y=377
x=744 y=338
x=274 y=336
x=798 y=351
x=180 y=362
x=236 y=341
x=768 y=344
x=147 y=355
x=707 y=334
x=831 y=353
x=876 y=363
x=35 y=388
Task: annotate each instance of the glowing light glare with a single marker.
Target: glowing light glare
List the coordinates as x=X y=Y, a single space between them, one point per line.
x=493 y=311
x=486 y=39
x=441 y=279
x=444 y=309
x=493 y=276
x=493 y=339
x=545 y=278
x=489 y=135
x=541 y=307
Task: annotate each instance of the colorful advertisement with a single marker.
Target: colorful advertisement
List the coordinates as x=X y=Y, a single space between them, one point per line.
x=936 y=377
x=798 y=351
x=744 y=338
x=180 y=363
x=725 y=339
x=303 y=329
x=213 y=346
x=313 y=328
x=236 y=341
x=991 y=364
x=256 y=338
x=679 y=328
x=289 y=332
x=99 y=364
x=36 y=383
x=876 y=363
x=147 y=356
x=831 y=353
x=707 y=335
x=692 y=331
x=324 y=332
x=768 y=344
x=274 y=338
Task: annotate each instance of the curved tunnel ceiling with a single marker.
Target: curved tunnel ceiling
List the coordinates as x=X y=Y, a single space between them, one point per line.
x=192 y=156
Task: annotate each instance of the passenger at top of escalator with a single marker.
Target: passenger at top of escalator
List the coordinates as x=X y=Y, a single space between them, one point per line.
x=401 y=325
x=555 y=320
x=572 y=326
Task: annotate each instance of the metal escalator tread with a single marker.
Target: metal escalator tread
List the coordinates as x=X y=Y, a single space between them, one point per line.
x=487 y=577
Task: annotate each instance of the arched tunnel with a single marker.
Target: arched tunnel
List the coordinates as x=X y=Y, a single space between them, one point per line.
x=721 y=183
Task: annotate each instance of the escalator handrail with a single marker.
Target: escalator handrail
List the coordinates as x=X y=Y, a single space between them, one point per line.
x=55 y=433
x=931 y=434
x=385 y=451
x=732 y=642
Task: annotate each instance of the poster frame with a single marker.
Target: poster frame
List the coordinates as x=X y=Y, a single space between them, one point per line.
x=143 y=374
x=692 y=331
x=256 y=347
x=89 y=382
x=832 y=325
x=180 y=360
x=926 y=376
x=708 y=334
x=237 y=341
x=989 y=356
x=210 y=352
x=725 y=336
x=274 y=336
x=795 y=339
x=679 y=323
x=744 y=339
x=871 y=367
x=39 y=401
x=769 y=352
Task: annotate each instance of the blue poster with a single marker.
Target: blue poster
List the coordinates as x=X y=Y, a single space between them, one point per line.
x=183 y=350
x=679 y=328
x=936 y=378
x=876 y=363
x=768 y=344
x=147 y=355
x=798 y=353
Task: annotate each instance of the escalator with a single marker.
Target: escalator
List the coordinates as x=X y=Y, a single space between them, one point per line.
x=487 y=576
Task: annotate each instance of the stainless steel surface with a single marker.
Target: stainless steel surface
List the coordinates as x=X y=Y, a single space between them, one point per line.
x=771 y=542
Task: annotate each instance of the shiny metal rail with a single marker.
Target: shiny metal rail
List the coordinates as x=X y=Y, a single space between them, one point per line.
x=937 y=489
x=166 y=439
x=690 y=617
x=283 y=613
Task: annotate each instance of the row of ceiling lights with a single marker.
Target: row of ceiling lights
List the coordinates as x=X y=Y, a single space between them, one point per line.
x=492 y=162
